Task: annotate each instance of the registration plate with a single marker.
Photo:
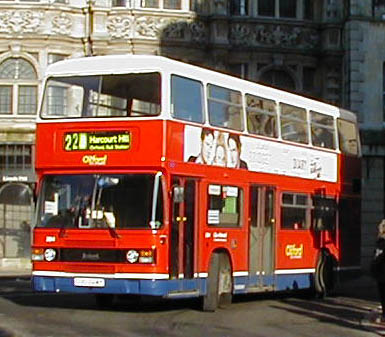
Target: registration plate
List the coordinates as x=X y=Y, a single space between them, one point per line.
x=89 y=282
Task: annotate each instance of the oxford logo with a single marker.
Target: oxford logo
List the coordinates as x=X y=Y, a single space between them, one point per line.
x=94 y=160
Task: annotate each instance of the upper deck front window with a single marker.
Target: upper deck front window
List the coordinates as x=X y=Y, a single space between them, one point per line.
x=128 y=95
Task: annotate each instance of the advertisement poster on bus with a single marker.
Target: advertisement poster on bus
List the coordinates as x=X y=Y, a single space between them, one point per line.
x=221 y=148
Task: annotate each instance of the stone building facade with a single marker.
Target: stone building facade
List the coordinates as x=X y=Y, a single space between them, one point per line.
x=332 y=50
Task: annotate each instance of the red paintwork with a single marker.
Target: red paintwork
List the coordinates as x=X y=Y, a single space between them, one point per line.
x=152 y=140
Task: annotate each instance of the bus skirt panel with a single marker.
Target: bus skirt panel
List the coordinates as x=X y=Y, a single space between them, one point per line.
x=161 y=288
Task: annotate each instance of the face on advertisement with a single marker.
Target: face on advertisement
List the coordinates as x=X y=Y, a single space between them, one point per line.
x=233 y=153
x=220 y=156
x=207 y=147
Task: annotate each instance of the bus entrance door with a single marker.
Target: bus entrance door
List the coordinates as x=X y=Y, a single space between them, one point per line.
x=261 y=244
x=182 y=229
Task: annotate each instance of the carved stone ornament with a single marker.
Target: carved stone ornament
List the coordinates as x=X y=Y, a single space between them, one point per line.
x=171 y=29
x=120 y=27
x=273 y=35
x=22 y=21
x=151 y=27
x=62 y=24
x=198 y=31
x=174 y=30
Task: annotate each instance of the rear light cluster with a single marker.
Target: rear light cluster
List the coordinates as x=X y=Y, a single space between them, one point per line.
x=146 y=256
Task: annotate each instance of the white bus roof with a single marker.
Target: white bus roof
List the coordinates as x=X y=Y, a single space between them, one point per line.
x=121 y=64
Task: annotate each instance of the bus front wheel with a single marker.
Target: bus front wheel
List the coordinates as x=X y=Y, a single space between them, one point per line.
x=219 y=283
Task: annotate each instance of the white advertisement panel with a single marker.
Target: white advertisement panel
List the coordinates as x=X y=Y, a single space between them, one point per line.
x=205 y=146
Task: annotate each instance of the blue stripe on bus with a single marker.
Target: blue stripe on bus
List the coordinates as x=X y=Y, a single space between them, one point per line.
x=120 y=286
x=167 y=287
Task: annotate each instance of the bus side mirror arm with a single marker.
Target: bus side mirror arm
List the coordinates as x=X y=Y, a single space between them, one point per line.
x=153 y=223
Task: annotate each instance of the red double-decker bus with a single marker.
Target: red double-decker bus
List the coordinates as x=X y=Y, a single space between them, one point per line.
x=160 y=178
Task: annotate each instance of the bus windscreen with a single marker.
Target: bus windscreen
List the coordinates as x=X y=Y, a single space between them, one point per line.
x=99 y=201
x=127 y=95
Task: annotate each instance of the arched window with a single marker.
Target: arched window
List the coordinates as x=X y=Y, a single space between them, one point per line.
x=278 y=78
x=18 y=87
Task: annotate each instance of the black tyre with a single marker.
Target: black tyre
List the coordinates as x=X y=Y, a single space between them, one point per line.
x=219 y=283
x=325 y=282
x=225 y=287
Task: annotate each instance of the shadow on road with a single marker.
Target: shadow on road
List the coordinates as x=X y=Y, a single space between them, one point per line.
x=341 y=311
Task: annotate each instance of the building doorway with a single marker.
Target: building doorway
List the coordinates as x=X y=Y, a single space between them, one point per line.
x=16 y=212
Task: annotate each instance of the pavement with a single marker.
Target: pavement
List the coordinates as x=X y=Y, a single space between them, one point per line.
x=15 y=272
x=360 y=292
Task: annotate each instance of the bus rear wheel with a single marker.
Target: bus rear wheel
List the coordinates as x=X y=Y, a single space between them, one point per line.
x=219 y=283
x=325 y=282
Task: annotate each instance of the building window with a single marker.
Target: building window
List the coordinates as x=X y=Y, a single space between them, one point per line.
x=288 y=8
x=308 y=79
x=172 y=4
x=266 y=7
x=5 y=99
x=308 y=8
x=278 y=78
x=383 y=93
x=119 y=3
x=165 y=4
x=18 y=87
x=27 y=99
x=150 y=3
x=15 y=156
x=284 y=8
x=239 y=7
x=239 y=69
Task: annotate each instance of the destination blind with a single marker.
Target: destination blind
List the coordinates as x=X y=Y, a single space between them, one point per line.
x=97 y=141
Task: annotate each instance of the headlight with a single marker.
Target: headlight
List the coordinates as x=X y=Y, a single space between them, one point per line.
x=50 y=254
x=132 y=256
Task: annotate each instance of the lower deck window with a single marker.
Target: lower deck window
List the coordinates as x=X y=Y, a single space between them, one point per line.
x=295 y=211
x=224 y=206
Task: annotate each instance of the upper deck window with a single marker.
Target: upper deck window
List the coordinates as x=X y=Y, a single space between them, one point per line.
x=294 y=123
x=322 y=130
x=261 y=116
x=128 y=95
x=187 y=99
x=225 y=107
x=348 y=137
